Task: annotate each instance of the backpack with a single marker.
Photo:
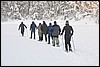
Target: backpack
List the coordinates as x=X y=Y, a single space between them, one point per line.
x=56 y=30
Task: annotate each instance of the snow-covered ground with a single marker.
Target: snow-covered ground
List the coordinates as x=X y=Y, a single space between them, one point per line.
x=22 y=51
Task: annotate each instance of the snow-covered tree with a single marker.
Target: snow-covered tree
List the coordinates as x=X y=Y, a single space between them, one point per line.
x=39 y=10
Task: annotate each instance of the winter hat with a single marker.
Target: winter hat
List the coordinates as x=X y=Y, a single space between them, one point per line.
x=32 y=22
x=67 y=22
x=43 y=22
x=55 y=22
x=21 y=22
x=50 y=24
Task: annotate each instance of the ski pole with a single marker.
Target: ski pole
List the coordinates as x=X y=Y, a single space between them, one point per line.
x=19 y=32
x=73 y=44
x=62 y=42
x=27 y=32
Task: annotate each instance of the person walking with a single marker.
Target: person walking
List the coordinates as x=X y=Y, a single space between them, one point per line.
x=50 y=28
x=22 y=26
x=68 y=33
x=32 y=29
x=44 y=30
x=55 y=34
x=39 y=32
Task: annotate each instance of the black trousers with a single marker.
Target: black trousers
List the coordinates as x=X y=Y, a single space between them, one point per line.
x=67 y=42
x=49 y=38
x=45 y=37
x=40 y=38
x=22 y=32
x=32 y=33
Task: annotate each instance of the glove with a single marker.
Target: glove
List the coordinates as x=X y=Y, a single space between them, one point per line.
x=71 y=34
x=61 y=33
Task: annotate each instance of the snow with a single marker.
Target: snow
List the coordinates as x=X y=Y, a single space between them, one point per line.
x=22 y=51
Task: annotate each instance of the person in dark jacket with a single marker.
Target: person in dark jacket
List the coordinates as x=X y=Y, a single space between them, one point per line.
x=50 y=28
x=39 y=32
x=55 y=34
x=32 y=29
x=68 y=33
x=44 y=30
x=22 y=26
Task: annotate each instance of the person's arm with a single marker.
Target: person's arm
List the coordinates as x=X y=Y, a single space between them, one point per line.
x=63 y=30
x=25 y=26
x=36 y=26
x=59 y=30
x=52 y=28
x=72 y=31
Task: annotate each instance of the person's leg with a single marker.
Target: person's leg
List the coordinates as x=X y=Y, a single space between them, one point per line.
x=66 y=47
x=53 y=41
x=70 y=49
x=31 y=34
x=34 y=34
x=41 y=36
x=69 y=39
x=48 y=39
x=22 y=33
x=57 y=41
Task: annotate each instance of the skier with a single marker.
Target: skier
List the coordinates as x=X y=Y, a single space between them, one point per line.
x=68 y=33
x=44 y=30
x=50 y=28
x=32 y=29
x=22 y=28
x=55 y=34
x=39 y=32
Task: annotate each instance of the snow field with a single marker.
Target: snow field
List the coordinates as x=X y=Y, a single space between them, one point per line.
x=22 y=51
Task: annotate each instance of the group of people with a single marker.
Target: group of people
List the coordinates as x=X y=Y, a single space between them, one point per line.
x=53 y=32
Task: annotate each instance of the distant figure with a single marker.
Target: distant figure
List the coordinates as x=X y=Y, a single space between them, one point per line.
x=44 y=30
x=68 y=33
x=50 y=28
x=55 y=34
x=39 y=32
x=22 y=28
x=32 y=29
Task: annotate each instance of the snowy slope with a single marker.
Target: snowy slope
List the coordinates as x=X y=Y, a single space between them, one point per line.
x=22 y=51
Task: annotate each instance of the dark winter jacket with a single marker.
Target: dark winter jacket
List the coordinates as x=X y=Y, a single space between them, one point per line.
x=33 y=27
x=22 y=26
x=44 y=28
x=56 y=30
x=68 y=30
x=50 y=28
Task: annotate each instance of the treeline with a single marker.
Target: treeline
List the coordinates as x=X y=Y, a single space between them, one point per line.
x=44 y=10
